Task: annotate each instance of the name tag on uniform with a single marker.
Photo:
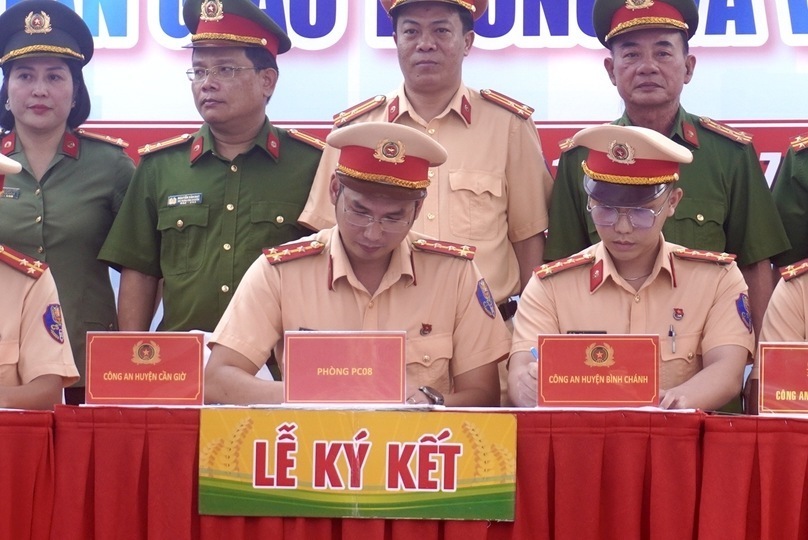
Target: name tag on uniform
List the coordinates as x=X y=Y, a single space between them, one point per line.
x=10 y=193
x=185 y=199
x=344 y=367
x=783 y=386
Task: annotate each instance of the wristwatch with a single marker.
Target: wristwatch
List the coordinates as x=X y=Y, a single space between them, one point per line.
x=434 y=397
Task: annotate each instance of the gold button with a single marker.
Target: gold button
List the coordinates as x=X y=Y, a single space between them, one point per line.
x=690 y=356
x=431 y=131
x=39 y=219
x=279 y=219
x=427 y=358
x=230 y=207
x=699 y=217
x=234 y=167
x=637 y=299
x=430 y=216
x=225 y=288
x=431 y=173
x=226 y=247
x=180 y=223
x=38 y=191
x=40 y=249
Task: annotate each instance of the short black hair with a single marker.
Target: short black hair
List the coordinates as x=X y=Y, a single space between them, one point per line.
x=466 y=19
x=261 y=58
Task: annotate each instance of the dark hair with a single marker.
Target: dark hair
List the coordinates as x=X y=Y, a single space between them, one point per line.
x=81 y=97
x=261 y=58
x=466 y=19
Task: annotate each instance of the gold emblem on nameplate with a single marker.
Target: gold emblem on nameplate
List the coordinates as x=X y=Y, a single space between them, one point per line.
x=390 y=151
x=146 y=353
x=599 y=355
x=212 y=10
x=37 y=23
x=639 y=4
x=621 y=153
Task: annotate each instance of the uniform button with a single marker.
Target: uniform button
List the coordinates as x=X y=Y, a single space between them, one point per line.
x=431 y=131
x=38 y=191
x=39 y=219
x=180 y=223
x=690 y=356
x=430 y=216
x=230 y=207
x=431 y=173
x=637 y=299
x=427 y=358
x=225 y=288
x=370 y=304
x=699 y=217
x=234 y=167
x=226 y=247
x=40 y=249
x=279 y=219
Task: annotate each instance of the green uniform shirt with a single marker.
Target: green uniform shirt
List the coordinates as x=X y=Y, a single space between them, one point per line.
x=791 y=198
x=63 y=220
x=198 y=221
x=727 y=205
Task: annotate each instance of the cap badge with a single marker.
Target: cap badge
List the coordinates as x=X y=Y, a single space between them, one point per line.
x=37 y=23
x=639 y=4
x=212 y=11
x=621 y=153
x=390 y=151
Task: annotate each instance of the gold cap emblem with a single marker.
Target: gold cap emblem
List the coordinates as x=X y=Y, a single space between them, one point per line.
x=621 y=153
x=639 y=4
x=390 y=151
x=212 y=10
x=37 y=23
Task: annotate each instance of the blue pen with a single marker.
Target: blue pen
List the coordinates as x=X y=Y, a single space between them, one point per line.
x=535 y=353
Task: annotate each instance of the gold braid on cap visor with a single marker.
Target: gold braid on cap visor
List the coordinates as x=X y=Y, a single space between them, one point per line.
x=629 y=180
x=383 y=179
x=468 y=5
x=646 y=21
x=64 y=51
x=229 y=37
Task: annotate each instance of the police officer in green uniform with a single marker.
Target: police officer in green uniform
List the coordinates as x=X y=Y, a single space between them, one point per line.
x=201 y=207
x=59 y=208
x=727 y=205
x=791 y=197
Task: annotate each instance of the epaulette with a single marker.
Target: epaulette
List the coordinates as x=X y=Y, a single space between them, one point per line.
x=567 y=144
x=342 y=118
x=519 y=109
x=728 y=132
x=560 y=265
x=704 y=256
x=311 y=140
x=165 y=143
x=81 y=132
x=26 y=265
x=793 y=270
x=290 y=252
x=800 y=142
x=445 y=248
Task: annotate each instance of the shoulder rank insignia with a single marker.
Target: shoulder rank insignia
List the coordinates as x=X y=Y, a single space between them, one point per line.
x=560 y=265
x=793 y=270
x=103 y=138
x=165 y=143
x=290 y=252
x=445 y=248
x=704 y=256
x=9 y=142
x=311 y=140
x=519 y=109
x=344 y=117
x=567 y=144
x=800 y=142
x=723 y=129
x=22 y=263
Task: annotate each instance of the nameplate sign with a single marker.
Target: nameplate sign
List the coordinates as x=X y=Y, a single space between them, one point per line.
x=144 y=368
x=783 y=386
x=344 y=367
x=598 y=370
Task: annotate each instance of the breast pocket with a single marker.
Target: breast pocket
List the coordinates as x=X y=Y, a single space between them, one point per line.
x=475 y=205
x=9 y=358
x=428 y=359
x=680 y=365
x=183 y=230
x=698 y=224
x=273 y=223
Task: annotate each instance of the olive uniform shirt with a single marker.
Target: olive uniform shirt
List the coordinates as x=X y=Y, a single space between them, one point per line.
x=198 y=221
x=727 y=205
x=791 y=197
x=440 y=300
x=33 y=341
x=491 y=192
x=63 y=220
x=705 y=302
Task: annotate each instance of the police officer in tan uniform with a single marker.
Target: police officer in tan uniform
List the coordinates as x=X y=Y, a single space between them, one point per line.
x=786 y=318
x=369 y=273
x=633 y=282
x=35 y=357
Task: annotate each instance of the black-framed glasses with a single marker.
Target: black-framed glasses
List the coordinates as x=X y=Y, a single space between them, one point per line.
x=199 y=74
x=388 y=225
x=638 y=217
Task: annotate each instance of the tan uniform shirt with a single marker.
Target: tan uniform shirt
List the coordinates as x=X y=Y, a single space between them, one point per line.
x=703 y=301
x=33 y=340
x=435 y=298
x=785 y=318
x=491 y=192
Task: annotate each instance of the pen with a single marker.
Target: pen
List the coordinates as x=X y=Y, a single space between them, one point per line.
x=535 y=353
x=672 y=335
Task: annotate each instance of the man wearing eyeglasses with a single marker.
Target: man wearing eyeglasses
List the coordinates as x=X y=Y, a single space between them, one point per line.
x=369 y=272
x=201 y=207
x=634 y=282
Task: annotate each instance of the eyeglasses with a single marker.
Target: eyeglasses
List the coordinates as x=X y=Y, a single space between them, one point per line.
x=638 y=217
x=217 y=72
x=358 y=219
